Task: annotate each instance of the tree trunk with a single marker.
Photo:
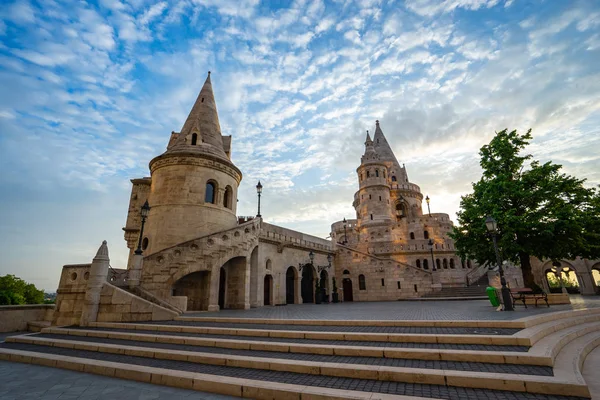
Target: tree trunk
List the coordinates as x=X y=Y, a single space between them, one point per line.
x=526 y=269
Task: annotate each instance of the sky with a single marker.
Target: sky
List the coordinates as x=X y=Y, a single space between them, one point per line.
x=90 y=92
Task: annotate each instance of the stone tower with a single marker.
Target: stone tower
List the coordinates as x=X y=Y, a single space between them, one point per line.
x=194 y=184
x=385 y=195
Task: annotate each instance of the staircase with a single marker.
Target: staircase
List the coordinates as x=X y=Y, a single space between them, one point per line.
x=536 y=357
x=476 y=291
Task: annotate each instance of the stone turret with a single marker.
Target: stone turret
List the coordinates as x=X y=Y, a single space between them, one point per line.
x=194 y=184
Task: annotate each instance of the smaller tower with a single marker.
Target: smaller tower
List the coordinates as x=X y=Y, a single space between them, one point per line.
x=194 y=184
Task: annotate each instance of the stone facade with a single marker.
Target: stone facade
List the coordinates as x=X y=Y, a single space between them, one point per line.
x=384 y=253
x=196 y=254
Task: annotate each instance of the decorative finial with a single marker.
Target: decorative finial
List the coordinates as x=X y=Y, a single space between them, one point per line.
x=209 y=73
x=376 y=122
x=367 y=131
x=102 y=253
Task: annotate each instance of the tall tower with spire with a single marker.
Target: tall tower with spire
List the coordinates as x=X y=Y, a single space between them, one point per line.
x=194 y=183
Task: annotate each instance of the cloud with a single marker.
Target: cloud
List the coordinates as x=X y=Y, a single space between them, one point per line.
x=92 y=92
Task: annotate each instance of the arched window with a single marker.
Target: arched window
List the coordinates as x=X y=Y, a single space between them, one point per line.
x=377 y=173
x=194 y=139
x=368 y=174
x=269 y=265
x=346 y=272
x=227 y=197
x=145 y=243
x=211 y=190
x=445 y=262
x=438 y=264
x=361 y=283
x=418 y=263
x=384 y=173
x=452 y=263
x=371 y=217
x=425 y=264
x=468 y=263
x=393 y=178
x=426 y=234
x=412 y=235
x=400 y=211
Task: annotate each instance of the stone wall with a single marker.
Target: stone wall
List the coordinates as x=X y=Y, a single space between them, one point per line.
x=70 y=295
x=118 y=305
x=16 y=318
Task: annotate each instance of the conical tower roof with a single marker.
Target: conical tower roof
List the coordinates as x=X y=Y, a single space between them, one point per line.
x=203 y=122
x=382 y=146
x=370 y=154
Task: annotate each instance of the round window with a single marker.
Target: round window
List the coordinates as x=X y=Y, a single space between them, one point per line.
x=74 y=276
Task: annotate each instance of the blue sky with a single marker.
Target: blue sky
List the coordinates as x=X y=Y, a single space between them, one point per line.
x=90 y=92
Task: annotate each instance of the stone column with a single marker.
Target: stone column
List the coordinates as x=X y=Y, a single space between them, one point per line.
x=213 y=296
x=98 y=273
x=135 y=272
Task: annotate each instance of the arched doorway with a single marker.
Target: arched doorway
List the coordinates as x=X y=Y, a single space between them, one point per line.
x=307 y=284
x=290 y=285
x=596 y=277
x=268 y=290
x=196 y=286
x=347 y=285
x=564 y=277
x=324 y=287
x=222 y=287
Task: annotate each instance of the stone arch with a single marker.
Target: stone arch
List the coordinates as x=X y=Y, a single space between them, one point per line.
x=309 y=275
x=210 y=192
x=268 y=290
x=291 y=279
x=228 y=197
x=255 y=285
x=233 y=287
x=595 y=272
x=196 y=287
x=569 y=276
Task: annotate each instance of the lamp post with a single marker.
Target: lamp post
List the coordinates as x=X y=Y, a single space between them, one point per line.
x=345 y=237
x=259 y=191
x=492 y=227
x=430 y=244
x=427 y=201
x=144 y=213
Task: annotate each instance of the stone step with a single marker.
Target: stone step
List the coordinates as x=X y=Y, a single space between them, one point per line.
x=371 y=378
x=374 y=359
x=500 y=340
x=446 y=330
x=420 y=351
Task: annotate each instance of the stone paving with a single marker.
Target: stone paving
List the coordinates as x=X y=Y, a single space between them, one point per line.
x=26 y=381
x=388 y=362
x=348 y=329
x=366 y=385
x=401 y=310
x=408 y=345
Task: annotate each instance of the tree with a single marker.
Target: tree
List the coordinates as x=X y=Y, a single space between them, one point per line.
x=14 y=290
x=541 y=212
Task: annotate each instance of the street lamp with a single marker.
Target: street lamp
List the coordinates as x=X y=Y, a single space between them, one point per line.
x=492 y=227
x=259 y=191
x=427 y=201
x=345 y=237
x=311 y=255
x=144 y=213
x=430 y=244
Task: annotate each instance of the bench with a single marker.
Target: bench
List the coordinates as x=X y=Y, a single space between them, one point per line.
x=523 y=294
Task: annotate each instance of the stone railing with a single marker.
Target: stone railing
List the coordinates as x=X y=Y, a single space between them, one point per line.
x=290 y=237
x=16 y=318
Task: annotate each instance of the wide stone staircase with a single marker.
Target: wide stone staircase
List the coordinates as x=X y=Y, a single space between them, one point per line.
x=537 y=357
x=475 y=291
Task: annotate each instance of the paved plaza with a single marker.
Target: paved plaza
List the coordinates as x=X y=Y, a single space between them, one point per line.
x=401 y=310
x=26 y=381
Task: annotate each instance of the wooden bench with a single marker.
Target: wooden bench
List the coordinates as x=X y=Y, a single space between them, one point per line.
x=523 y=294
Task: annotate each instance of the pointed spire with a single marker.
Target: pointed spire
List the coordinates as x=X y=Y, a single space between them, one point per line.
x=368 y=140
x=102 y=253
x=201 y=130
x=381 y=145
x=369 y=150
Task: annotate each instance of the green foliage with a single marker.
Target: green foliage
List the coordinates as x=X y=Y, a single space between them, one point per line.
x=14 y=291
x=540 y=211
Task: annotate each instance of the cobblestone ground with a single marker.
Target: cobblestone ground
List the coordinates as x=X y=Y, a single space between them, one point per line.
x=367 y=385
x=401 y=310
x=26 y=381
x=388 y=362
